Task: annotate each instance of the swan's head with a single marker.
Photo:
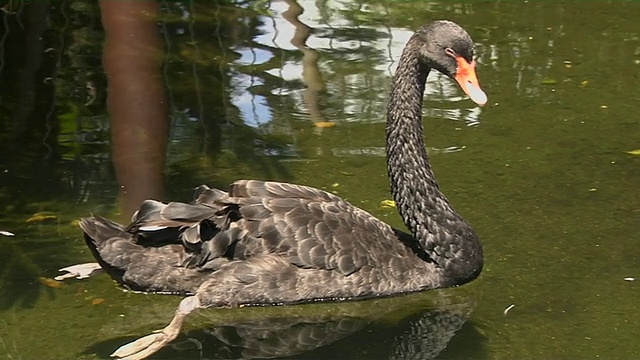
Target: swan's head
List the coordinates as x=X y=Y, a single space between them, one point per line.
x=448 y=48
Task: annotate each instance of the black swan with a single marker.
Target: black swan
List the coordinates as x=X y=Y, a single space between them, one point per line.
x=277 y=243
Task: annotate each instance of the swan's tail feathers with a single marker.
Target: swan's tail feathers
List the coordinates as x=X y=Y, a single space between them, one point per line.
x=170 y=247
x=98 y=229
x=110 y=245
x=138 y=261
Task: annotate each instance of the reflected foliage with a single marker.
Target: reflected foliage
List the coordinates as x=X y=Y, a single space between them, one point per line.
x=54 y=128
x=40 y=169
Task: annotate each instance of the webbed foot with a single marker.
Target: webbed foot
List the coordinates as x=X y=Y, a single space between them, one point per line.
x=147 y=345
x=144 y=347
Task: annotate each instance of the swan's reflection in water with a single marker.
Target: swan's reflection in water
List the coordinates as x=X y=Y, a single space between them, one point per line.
x=414 y=326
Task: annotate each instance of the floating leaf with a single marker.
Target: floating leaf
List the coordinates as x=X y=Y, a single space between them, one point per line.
x=584 y=83
x=549 y=81
x=97 y=301
x=634 y=152
x=324 y=124
x=42 y=216
x=50 y=283
x=335 y=185
x=387 y=204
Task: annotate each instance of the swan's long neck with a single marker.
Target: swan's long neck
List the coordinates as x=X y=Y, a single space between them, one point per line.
x=442 y=234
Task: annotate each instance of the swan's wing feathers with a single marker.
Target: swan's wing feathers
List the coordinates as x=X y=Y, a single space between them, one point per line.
x=309 y=227
x=298 y=225
x=286 y=190
x=205 y=195
x=273 y=190
x=154 y=215
x=149 y=211
x=314 y=228
x=311 y=233
x=191 y=236
x=247 y=189
x=187 y=213
x=254 y=211
x=157 y=224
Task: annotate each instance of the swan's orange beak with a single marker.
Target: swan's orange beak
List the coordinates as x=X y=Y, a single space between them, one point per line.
x=468 y=81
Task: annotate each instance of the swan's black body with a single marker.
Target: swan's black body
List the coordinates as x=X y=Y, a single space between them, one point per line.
x=270 y=243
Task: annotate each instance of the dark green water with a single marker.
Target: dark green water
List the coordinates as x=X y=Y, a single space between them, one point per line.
x=542 y=172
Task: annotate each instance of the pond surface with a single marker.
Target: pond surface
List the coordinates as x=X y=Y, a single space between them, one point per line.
x=296 y=92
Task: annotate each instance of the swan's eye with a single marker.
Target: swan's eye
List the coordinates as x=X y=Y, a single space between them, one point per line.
x=451 y=52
